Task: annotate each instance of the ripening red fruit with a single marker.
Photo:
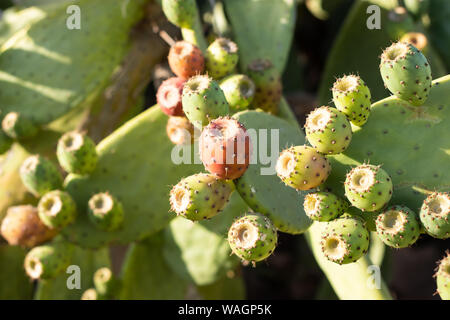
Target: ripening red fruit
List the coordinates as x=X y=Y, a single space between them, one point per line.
x=186 y=60
x=169 y=96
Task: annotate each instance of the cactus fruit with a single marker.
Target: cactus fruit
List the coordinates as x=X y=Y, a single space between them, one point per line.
x=180 y=131
x=406 y=72
x=328 y=130
x=302 y=167
x=417 y=39
x=40 y=175
x=435 y=215
x=203 y=101
x=22 y=226
x=398 y=226
x=57 y=209
x=186 y=60
x=181 y=13
x=239 y=91
x=47 y=261
x=225 y=148
x=324 y=206
x=344 y=240
x=368 y=187
x=252 y=237
x=90 y=294
x=351 y=96
x=443 y=277
x=221 y=58
x=17 y=126
x=200 y=196
x=169 y=96
x=105 y=211
x=106 y=285
x=268 y=85
x=76 y=153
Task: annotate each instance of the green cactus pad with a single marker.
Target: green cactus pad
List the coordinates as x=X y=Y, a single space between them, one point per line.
x=57 y=209
x=239 y=91
x=5 y=142
x=230 y=287
x=443 y=278
x=398 y=226
x=105 y=211
x=221 y=58
x=40 y=175
x=260 y=187
x=17 y=126
x=16 y=284
x=324 y=206
x=435 y=215
x=76 y=153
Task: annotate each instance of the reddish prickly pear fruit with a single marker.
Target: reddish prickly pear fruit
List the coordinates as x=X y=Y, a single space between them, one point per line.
x=77 y=153
x=105 y=211
x=351 y=96
x=302 y=167
x=324 y=206
x=40 y=175
x=239 y=91
x=17 y=126
x=169 y=96
x=344 y=240
x=180 y=130
x=57 y=209
x=203 y=101
x=443 y=277
x=368 y=187
x=435 y=215
x=406 y=72
x=225 y=148
x=200 y=196
x=186 y=60
x=268 y=84
x=221 y=58
x=22 y=226
x=328 y=130
x=105 y=283
x=398 y=226
x=252 y=237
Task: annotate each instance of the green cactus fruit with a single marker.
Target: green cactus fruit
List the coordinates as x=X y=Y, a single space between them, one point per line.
x=105 y=211
x=398 y=226
x=435 y=215
x=252 y=237
x=328 y=130
x=200 y=196
x=352 y=97
x=203 y=100
x=106 y=284
x=368 y=187
x=324 y=206
x=181 y=13
x=406 y=72
x=47 y=261
x=443 y=277
x=344 y=240
x=90 y=294
x=18 y=126
x=40 y=175
x=57 y=209
x=268 y=84
x=239 y=91
x=221 y=57
x=76 y=153
x=302 y=167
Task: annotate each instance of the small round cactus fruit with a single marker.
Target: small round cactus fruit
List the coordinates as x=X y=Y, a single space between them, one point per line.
x=268 y=84
x=57 y=209
x=17 y=126
x=40 y=175
x=398 y=226
x=328 y=130
x=5 y=142
x=302 y=167
x=105 y=282
x=352 y=97
x=203 y=101
x=368 y=187
x=22 y=226
x=221 y=58
x=186 y=60
x=169 y=96
x=252 y=237
x=90 y=294
x=200 y=196
x=48 y=261
x=180 y=131
x=417 y=39
x=406 y=72
x=181 y=13
x=435 y=215
x=105 y=211
x=344 y=240
x=443 y=277
x=239 y=91
x=324 y=206
x=225 y=148
x=76 y=153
